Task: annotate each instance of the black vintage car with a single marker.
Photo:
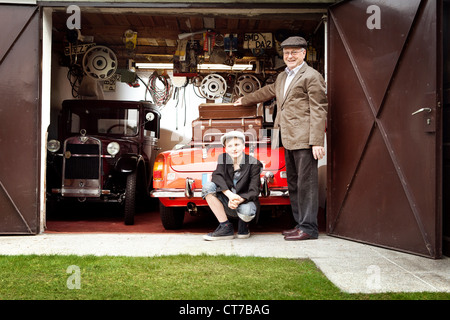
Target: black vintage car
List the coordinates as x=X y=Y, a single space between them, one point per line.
x=105 y=153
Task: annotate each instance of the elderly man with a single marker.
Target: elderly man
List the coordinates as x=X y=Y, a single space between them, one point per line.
x=301 y=117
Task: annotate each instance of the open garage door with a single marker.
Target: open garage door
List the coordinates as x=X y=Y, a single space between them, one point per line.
x=19 y=119
x=384 y=181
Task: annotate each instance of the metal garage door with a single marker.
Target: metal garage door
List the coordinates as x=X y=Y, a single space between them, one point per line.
x=384 y=179
x=19 y=119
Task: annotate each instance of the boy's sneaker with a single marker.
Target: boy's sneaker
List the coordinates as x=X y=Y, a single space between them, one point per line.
x=225 y=232
x=243 y=231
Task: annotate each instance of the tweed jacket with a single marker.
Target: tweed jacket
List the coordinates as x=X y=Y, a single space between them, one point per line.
x=249 y=181
x=302 y=112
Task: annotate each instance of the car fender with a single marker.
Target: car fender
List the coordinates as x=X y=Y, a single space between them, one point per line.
x=128 y=163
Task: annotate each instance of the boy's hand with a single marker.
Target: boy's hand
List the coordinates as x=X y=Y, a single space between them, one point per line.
x=233 y=204
x=234 y=200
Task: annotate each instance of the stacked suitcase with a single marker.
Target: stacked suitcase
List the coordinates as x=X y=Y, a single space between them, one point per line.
x=215 y=119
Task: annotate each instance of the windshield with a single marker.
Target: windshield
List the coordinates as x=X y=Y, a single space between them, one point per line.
x=104 y=121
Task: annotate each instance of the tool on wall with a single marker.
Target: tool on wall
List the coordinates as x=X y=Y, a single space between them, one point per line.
x=130 y=39
x=185 y=58
x=190 y=34
x=209 y=39
x=230 y=43
x=311 y=55
x=77 y=45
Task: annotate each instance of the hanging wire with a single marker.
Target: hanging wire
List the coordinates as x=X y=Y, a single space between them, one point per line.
x=199 y=93
x=75 y=73
x=75 y=76
x=176 y=96
x=147 y=89
x=185 y=106
x=160 y=95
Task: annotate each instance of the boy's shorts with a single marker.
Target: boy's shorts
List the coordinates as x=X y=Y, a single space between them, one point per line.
x=246 y=211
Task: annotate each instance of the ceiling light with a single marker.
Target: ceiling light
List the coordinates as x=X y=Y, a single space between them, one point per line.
x=154 y=66
x=235 y=67
x=205 y=66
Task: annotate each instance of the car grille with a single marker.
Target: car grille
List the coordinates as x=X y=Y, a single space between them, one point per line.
x=81 y=167
x=83 y=162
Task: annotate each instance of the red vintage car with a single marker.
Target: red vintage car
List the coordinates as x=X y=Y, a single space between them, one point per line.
x=178 y=175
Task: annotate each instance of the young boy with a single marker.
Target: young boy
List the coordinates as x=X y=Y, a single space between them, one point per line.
x=234 y=188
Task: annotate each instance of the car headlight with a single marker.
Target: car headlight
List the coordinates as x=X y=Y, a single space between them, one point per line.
x=113 y=148
x=53 y=145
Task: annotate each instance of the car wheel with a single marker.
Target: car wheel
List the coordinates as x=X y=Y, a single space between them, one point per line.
x=130 y=199
x=171 y=217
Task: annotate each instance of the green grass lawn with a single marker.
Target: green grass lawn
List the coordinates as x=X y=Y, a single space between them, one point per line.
x=180 y=277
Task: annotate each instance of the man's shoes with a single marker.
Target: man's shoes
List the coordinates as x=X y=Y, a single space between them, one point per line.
x=290 y=231
x=299 y=235
x=243 y=231
x=225 y=232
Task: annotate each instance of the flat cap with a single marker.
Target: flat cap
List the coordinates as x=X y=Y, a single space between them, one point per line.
x=294 y=42
x=232 y=134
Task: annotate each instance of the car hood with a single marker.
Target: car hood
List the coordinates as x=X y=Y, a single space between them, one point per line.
x=192 y=159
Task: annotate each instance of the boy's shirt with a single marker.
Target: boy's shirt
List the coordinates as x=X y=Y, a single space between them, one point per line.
x=236 y=176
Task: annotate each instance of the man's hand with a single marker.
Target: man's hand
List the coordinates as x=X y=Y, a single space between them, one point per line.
x=238 y=102
x=318 y=152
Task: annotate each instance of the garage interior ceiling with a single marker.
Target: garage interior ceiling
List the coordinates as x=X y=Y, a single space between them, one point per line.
x=158 y=28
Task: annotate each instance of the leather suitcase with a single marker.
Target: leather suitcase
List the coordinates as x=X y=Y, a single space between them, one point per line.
x=209 y=130
x=225 y=111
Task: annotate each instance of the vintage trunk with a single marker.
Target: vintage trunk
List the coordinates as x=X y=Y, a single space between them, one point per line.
x=209 y=130
x=225 y=111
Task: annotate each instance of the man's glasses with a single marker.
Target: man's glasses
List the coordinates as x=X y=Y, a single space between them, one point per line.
x=293 y=53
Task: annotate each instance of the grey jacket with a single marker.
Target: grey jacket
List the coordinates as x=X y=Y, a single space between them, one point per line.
x=302 y=113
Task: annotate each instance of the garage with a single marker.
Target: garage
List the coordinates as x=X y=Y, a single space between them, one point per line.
x=143 y=41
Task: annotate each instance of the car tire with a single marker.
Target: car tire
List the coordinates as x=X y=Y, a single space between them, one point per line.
x=171 y=217
x=130 y=199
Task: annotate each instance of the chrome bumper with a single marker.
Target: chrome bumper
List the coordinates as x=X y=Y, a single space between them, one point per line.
x=198 y=194
x=173 y=194
x=189 y=191
x=80 y=192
